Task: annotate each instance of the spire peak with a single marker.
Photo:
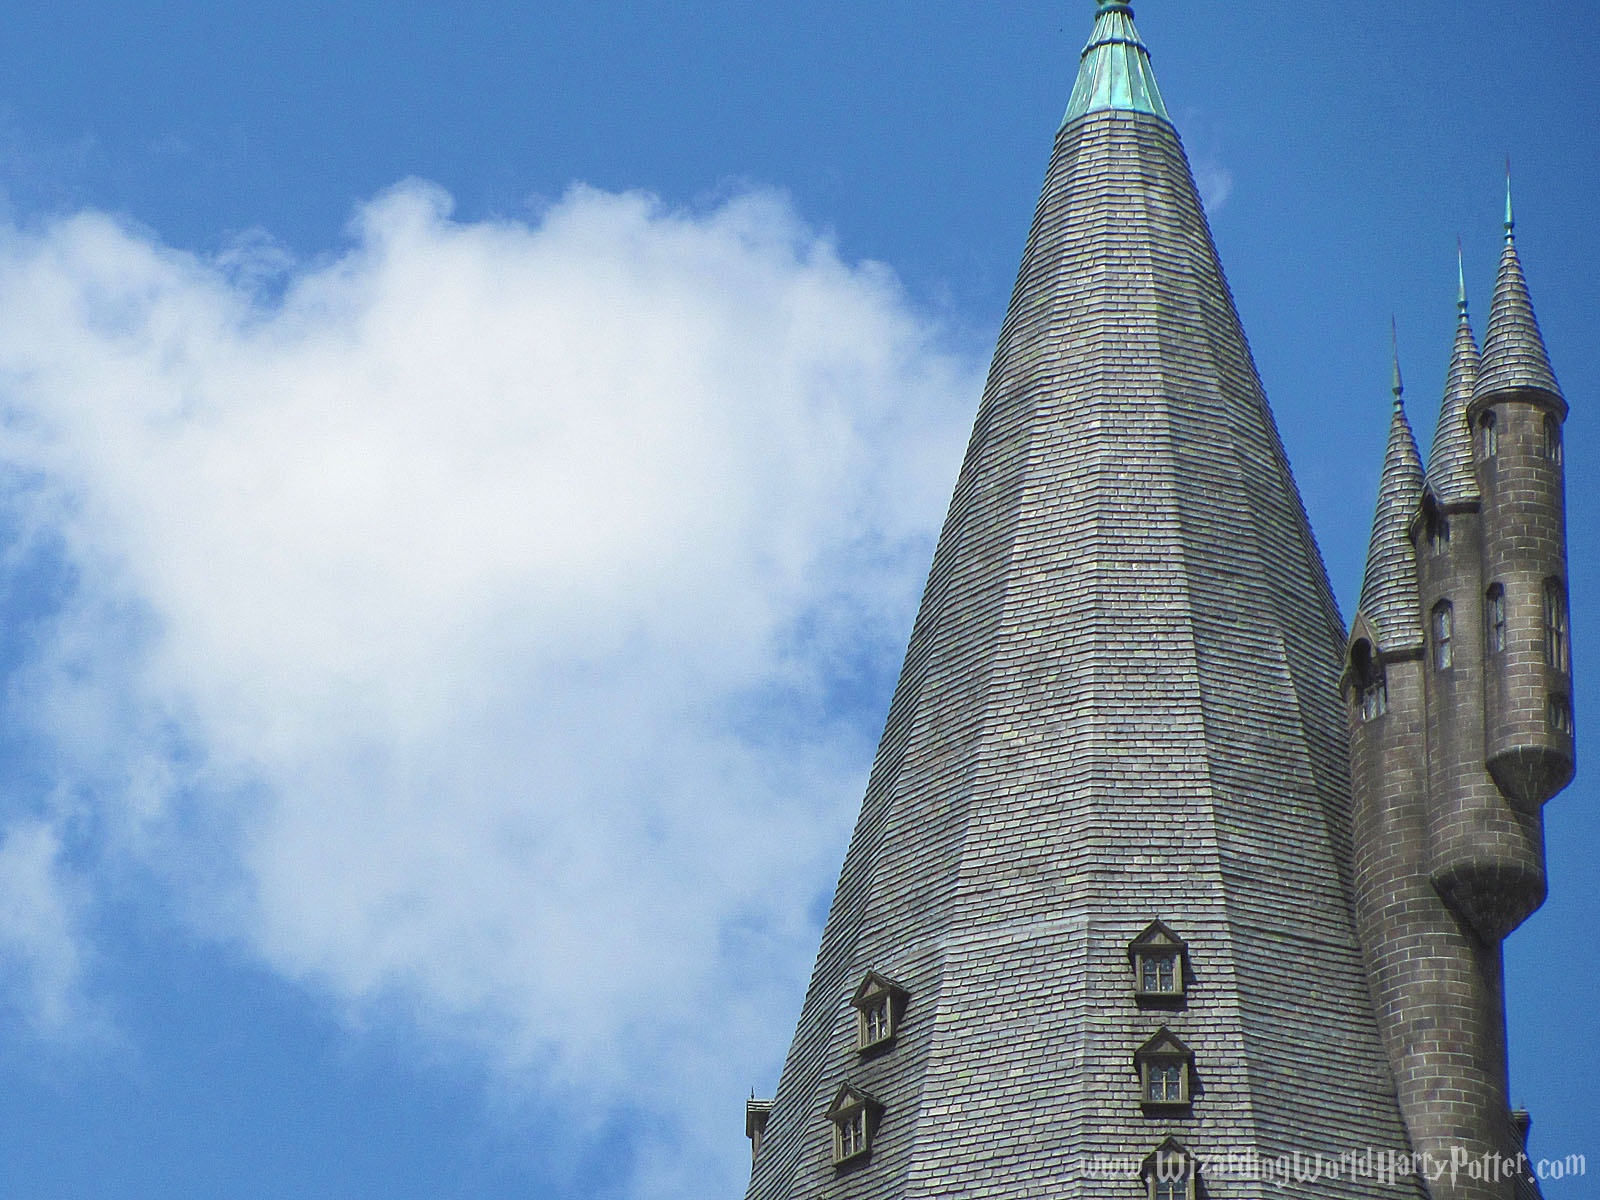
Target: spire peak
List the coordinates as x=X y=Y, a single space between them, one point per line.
x=1514 y=356
x=1398 y=387
x=1114 y=72
x=1390 y=590
x=1450 y=475
x=1511 y=220
x=1461 y=282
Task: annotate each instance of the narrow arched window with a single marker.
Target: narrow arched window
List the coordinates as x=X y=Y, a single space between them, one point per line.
x=1488 y=435
x=1438 y=531
x=1552 y=440
x=1494 y=618
x=1557 y=651
x=1443 y=631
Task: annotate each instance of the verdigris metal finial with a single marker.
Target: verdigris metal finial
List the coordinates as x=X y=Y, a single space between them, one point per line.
x=1511 y=223
x=1461 y=277
x=1114 y=72
x=1399 y=387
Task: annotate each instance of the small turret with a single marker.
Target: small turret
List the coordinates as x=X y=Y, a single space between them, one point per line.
x=1452 y=478
x=1433 y=981
x=1485 y=858
x=1389 y=591
x=1517 y=412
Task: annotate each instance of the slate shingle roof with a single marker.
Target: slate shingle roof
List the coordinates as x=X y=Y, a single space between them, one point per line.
x=1119 y=704
x=1390 y=590
x=1514 y=355
x=1451 y=477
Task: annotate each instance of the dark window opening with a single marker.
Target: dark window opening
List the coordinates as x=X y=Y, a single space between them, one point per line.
x=1557 y=651
x=1495 y=618
x=1443 y=631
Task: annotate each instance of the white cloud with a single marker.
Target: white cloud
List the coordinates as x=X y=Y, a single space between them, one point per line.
x=1215 y=183
x=452 y=622
x=41 y=949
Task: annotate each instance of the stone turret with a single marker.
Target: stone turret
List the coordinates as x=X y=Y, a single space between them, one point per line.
x=1486 y=856
x=1518 y=411
x=1457 y=690
x=1435 y=985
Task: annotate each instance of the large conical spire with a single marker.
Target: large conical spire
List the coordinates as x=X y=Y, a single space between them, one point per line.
x=1114 y=72
x=1514 y=357
x=1389 y=594
x=1451 y=476
x=1118 y=725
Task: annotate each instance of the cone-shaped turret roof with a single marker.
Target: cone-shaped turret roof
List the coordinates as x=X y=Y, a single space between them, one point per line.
x=1120 y=705
x=1451 y=477
x=1514 y=357
x=1390 y=592
x=1114 y=72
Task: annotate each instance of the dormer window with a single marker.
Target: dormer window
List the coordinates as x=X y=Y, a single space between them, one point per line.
x=880 y=1004
x=855 y=1116
x=756 y=1115
x=1160 y=963
x=1165 y=1067
x=1488 y=435
x=1372 y=687
x=1170 y=1173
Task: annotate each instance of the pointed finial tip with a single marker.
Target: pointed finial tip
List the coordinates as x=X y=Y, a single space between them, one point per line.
x=1398 y=387
x=1461 y=279
x=1511 y=224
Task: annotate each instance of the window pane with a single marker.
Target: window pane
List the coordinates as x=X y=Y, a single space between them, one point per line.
x=1555 y=626
x=1158 y=973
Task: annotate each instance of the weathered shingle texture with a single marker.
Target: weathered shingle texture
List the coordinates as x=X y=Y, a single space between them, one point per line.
x=1451 y=475
x=1514 y=355
x=1120 y=703
x=1389 y=591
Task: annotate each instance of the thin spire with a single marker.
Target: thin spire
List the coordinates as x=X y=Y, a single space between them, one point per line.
x=1390 y=593
x=1451 y=477
x=1511 y=219
x=1398 y=387
x=1114 y=72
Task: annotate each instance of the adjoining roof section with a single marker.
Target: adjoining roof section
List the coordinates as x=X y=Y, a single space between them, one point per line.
x=1114 y=72
x=1390 y=593
x=1451 y=477
x=1514 y=357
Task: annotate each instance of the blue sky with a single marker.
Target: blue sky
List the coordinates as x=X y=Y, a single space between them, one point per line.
x=469 y=477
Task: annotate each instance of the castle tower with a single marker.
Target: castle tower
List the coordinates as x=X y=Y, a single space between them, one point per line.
x=1458 y=695
x=1094 y=933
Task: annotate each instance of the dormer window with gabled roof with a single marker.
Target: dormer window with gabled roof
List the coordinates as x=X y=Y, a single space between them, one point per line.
x=1160 y=965
x=756 y=1115
x=1166 y=1073
x=1170 y=1173
x=880 y=1005
x=855 y=1116
x=1368 y=680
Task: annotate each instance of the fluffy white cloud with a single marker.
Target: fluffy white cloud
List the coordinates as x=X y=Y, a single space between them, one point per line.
x=455 y=621
x=41 y=950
